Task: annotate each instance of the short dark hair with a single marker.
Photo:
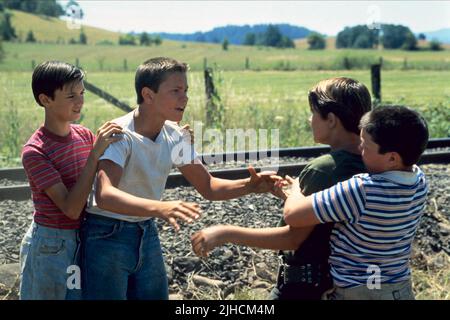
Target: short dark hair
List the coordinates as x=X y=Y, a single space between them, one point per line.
x=397 y=129
x=346 y=98
x=50 y=76
x=153 y=72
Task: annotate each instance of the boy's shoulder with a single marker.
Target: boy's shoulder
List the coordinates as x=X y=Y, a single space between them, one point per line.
x=337 y=161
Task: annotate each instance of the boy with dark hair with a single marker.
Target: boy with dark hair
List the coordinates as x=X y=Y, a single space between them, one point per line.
x=376 y=214
x=60 y=160
x=337 y=105
x=122 y=256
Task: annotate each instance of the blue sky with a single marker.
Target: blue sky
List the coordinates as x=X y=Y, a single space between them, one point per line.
x=328 y=17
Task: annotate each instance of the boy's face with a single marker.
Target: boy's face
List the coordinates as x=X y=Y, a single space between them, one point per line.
x=67 y=102
x=319 y=126
x=374 y=161
x=171 y=99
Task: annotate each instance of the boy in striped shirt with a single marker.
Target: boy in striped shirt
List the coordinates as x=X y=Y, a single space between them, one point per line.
x=376 y=213
x=60 y=160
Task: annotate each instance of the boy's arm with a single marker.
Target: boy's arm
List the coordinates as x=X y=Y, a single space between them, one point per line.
x=279 y=238
x=298 y=209
x=71 y=202
x=110 y=198
x=212 y=188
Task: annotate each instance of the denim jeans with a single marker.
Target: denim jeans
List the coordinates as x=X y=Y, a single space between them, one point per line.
x=45 y=256
x=388 y=291
x=122 y=260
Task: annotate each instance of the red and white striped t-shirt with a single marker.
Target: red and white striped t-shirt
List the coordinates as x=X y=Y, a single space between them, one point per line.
x=49 y=159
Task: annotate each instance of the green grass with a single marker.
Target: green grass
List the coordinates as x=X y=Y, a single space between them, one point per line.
x=94 y=58
x=269 y=100
x=49 y=29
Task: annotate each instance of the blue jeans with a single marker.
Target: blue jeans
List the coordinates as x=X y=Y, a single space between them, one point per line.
x=122 y=260
x=45 y=257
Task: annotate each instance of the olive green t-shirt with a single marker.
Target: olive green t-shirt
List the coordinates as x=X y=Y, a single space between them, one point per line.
x=322 y=173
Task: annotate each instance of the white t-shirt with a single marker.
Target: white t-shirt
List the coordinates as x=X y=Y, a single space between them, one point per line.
x=146 y=164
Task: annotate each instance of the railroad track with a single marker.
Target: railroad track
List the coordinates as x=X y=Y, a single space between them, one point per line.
x=23 y=192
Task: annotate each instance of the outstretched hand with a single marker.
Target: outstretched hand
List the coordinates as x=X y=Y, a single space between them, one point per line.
x=263 y=181
x=206 y=239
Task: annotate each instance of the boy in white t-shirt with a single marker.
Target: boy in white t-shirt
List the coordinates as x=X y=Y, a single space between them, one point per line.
x=121 y=254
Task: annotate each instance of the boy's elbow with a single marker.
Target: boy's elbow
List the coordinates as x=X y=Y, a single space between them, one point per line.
x=289 y=217
x=71 y=214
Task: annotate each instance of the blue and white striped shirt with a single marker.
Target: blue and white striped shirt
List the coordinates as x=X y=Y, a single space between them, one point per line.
x=377 y=216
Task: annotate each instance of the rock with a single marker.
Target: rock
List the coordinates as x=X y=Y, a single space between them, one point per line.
x=204 y=281
x=258 y=284
x=187 y=264
x=444 y=228
x=9 y=274
x=175 y=296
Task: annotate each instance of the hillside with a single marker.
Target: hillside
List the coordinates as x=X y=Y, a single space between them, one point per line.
x=53 y=30
x=236 y=34
x=442 y=35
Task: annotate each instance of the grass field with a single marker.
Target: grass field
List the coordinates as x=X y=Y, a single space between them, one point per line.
x=269 y=100
x=94 y=58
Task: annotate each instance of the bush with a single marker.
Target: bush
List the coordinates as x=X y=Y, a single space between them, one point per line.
x=316 y=41
x=435 y=45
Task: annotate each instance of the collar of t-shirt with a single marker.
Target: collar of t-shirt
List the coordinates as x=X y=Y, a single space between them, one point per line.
x=402 y=177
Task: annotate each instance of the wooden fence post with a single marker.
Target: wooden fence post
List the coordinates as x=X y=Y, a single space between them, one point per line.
x=375 y=71
x=247 y=63
x=214 y=107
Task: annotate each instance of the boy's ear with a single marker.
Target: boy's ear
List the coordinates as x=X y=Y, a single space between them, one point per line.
x=44 y=99
x=147 y=94
x=395 y=159
x=332 y=119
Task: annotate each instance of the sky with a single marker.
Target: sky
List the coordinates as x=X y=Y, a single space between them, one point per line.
x=326 y=17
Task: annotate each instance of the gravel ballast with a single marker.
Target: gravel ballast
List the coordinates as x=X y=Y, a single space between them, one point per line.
x=230 y=267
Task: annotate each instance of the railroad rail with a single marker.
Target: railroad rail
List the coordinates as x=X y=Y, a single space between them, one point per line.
x=23 y=192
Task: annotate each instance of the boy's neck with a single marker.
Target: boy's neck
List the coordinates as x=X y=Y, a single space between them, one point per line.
x=59 y=128
x=147 y=124
x=346 y=141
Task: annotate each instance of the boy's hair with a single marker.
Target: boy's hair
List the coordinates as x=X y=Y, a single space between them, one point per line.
x=153 y=72
x=346 y=98
x=50 y=76
x=397 y=129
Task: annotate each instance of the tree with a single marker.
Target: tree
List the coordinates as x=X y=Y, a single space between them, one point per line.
x=7 y=31
x=144 y=39
x=435 y=45
x=272 y=37
x=49 y=8
x=30 y=37
x=359 y=37
x=398 y=36
x=83 y=37
x=225 y=44
x=157 y=40
x=316 y=41
x=2 y=53
x=410 y=42
x=422 y=36
x=250 y=39
x=127 y=39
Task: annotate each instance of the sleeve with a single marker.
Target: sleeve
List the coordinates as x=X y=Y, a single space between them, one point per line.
x=344 y=201
x=118 y=152
x=312 y=181
x=40 y=170
x=183 y=152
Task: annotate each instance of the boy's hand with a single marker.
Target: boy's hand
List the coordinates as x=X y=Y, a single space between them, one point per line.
x=205 y=240
x=263 y=181
x=281 y=189
x=188 y=132
x=104 y=139
x=294 y=185
x=173 y=210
